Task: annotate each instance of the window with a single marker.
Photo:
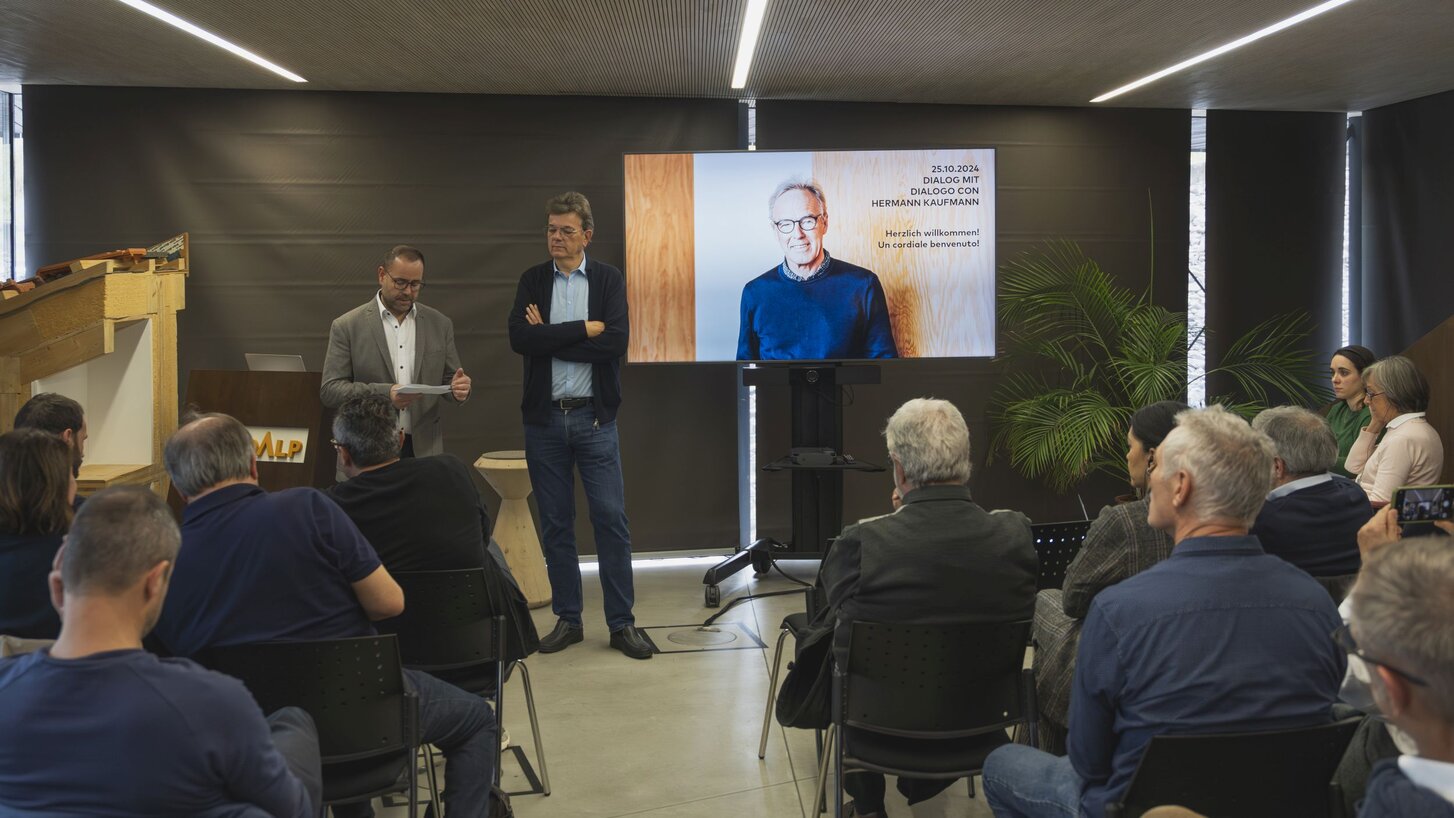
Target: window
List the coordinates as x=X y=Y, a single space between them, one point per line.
x=1196 y=291
x=12 y=187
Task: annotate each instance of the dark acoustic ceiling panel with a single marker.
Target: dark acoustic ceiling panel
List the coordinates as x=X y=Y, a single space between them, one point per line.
x=1023 y=52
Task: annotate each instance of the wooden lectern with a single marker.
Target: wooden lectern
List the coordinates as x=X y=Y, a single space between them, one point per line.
x=104 y=334
x=290 y=427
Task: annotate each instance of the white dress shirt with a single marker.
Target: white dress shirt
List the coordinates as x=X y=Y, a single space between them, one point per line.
x=1429 y=774
x=400 y=338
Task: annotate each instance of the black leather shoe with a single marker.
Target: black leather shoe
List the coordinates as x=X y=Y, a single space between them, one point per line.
x=629 y=641
x=564 y=635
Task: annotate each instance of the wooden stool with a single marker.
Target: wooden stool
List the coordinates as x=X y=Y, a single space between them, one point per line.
x=515 y=528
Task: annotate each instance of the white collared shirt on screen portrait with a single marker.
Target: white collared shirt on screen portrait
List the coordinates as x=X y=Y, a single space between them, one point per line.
x=400 y=337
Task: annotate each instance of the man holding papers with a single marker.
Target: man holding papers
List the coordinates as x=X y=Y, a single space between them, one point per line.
x=394 y=346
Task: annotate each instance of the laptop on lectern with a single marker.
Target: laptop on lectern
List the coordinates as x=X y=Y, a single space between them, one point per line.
x=265 y=362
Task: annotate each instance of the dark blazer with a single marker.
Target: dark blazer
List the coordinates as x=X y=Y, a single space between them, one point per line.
x=538 y=344
x=938 y=558
x=358 y=363
x=419 y=513
x=1316 y=528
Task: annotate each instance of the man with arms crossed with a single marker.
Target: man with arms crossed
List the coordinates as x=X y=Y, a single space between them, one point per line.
x=570 y=324
x=811 y=307
x=390 y=341
x=94 y=725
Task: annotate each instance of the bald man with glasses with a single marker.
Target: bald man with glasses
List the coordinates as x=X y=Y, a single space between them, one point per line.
x=391 y=341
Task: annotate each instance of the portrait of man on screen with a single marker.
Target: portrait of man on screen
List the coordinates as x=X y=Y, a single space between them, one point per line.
x=811 y=306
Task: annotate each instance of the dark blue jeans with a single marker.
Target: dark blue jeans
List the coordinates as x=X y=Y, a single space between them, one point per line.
x=462 y=725
x=1025 y=782
x=574 y=440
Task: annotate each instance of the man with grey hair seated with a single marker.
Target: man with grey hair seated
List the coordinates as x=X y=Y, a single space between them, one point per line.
x=938 y=557
x=1402 y=607
x=419 y=513
x=258 y=566
x=1312 y=516
x=1185 y=646
x=94 y=725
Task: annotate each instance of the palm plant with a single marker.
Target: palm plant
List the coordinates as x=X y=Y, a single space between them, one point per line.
x=1083 y=353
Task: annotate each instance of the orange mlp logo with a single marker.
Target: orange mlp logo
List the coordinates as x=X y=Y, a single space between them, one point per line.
x=278 y=449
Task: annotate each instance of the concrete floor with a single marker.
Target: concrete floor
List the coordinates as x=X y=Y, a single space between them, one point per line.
x=675 y=735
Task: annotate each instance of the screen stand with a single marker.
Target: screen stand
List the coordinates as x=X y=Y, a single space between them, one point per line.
x=816 y=463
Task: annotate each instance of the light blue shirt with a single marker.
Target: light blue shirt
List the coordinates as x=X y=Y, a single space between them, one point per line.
x=569 y=301
x=1299 y=484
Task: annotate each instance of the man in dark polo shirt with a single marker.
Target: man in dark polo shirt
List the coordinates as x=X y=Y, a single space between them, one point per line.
x=420 y=513
x=257 y=566
x=94 y=725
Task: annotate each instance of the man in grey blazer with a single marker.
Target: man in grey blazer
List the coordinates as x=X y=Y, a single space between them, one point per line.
x=390 y=341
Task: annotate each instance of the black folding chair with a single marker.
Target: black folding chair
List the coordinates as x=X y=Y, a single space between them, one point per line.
x=368 y=721
x=792 y=625
x=1056 y=544
x=1271 y=774
x=452 y=630
x=927 y=701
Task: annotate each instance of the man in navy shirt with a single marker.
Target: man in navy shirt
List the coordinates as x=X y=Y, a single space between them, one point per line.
x=258 y=566
x=1312 y=516
x=1402 y=608
x=811 y=307
x=1185 y=646
x=94 y=725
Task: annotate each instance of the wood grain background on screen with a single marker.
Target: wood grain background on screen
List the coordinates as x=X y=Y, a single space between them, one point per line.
x=660 y=258
x=934 y=306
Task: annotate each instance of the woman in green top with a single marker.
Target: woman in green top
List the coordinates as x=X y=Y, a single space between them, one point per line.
x=1348 y=414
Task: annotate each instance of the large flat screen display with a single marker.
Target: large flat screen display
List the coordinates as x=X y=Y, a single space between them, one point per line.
x=811 y=255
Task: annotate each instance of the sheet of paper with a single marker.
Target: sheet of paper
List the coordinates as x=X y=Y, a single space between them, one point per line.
x=422 y=389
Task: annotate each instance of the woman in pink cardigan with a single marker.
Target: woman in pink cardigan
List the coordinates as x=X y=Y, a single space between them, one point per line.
x=1410 y=453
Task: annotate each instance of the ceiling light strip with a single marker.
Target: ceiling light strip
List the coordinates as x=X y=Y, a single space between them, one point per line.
x=751 y=28
x=173 y=20
x=1220 y=50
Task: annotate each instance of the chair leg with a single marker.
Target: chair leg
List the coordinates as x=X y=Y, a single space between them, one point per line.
x=433 y=780
x=821 y=791
x=534 y=727
x=777 y=658
x=837 y=750
x=414 y=784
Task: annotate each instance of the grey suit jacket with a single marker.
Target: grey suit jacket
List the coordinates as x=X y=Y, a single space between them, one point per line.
x=358 y=363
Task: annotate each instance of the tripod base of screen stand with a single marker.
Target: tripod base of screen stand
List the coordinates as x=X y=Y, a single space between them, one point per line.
x=758 y=555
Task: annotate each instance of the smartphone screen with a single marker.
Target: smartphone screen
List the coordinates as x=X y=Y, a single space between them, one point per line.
x=1423 y=504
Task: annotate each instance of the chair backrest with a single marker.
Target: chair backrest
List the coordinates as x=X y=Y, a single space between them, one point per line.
x=448 y=622
x=936 y=681
x=1056 y=544
x=353 y=689
x=1247 y=775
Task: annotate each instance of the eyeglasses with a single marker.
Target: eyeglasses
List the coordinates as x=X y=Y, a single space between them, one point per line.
x=563 y=232
x=809 y=223
x=1343 y=636
x=407 y=284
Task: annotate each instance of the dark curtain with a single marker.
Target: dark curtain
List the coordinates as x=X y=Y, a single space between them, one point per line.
x=1408 y=171
x=1274 y=227
x=1100 y=177
x=291 y=199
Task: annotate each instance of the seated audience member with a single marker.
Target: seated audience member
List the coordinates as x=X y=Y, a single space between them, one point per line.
x=61 y=416
x=258 y=566
x=1219 y=638
x=1400 y=628
x=1410 y=453
x=419 y=513
x=1312 y=516
x=938 y=557
x=1118 y=545
x=37 y=489
x=94 y=725
x=1348 y=413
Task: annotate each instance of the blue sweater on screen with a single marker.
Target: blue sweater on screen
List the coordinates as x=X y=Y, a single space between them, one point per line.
x=840 y=313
